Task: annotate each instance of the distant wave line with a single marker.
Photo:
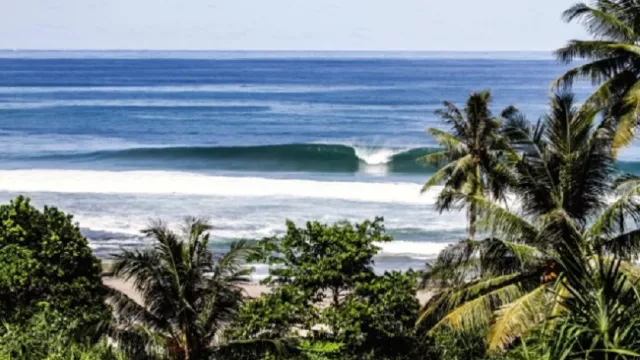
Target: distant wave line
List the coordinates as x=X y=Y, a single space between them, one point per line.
x=220 y=105
x=209 y=88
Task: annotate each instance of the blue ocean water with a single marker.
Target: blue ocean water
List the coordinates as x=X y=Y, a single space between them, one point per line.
x=245 y=139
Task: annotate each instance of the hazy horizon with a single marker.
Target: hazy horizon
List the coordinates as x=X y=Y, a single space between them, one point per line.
x=273 y=54
x=286 y=25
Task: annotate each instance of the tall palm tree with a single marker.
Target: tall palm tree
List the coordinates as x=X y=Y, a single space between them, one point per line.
x=564 y=176
x=472 y=152
x=613 y=59
x=187 y=295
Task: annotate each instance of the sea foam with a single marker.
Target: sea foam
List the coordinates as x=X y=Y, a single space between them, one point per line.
x=166 y=182
x=422 y=250
x=376 y=156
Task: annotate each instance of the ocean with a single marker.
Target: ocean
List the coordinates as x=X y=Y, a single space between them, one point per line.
x=246 y=139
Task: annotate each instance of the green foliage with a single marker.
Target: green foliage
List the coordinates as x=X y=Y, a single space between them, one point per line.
x=378 y=317
x=275 y=315
x=321 y=350
x=188 y=296
x=325 y=291
x=472 y=155
x=565 y=175
x=602 y=305
x=450 y=344
x=44 y=258
x=320 y=258
x=51 y=335
x=612 y=60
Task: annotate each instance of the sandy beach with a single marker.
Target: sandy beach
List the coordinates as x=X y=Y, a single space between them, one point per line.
x=252 y=290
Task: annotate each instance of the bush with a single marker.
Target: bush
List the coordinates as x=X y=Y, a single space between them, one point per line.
x=52 y=336
x=326 y=292
x=378 y=318
x=45 y=258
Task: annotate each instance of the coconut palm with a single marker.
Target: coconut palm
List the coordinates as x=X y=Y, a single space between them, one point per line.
x=472 y=152
x=187 y=296
x=564 y=176
x=612 y=59
x=603 y=305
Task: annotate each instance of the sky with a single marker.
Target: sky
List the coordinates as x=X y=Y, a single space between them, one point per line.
x=345 y=25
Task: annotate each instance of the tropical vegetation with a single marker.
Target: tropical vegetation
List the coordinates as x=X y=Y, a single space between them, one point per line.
x=472 y=154
x=612 y=60
x=548 y=269
x=516 y=277
x=325 y=290
x=45 y=259
x=187 y=296
x=49 y=334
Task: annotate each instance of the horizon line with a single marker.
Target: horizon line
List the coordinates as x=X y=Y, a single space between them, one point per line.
x=278 y=50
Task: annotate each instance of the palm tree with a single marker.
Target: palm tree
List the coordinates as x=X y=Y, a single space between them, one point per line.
x=564 y=175
x=603 y=305
x=187 y=296
x=473 y=149
x=613 y=59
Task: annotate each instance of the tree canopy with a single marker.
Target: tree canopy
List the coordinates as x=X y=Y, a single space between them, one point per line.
x=612 y=60
x=188 y=295
x=511 y=280
x=45 y=258
x=472 y=155
x=325 y=289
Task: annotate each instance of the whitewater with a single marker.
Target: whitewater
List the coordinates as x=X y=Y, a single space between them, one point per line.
x=246 y=140
x=163 y=182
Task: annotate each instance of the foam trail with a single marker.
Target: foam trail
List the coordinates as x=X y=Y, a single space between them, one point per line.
x=424 y=249
x=165 y=182
x=376 y=156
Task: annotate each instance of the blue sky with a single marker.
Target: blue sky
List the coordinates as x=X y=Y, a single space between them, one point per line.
x=449 y=25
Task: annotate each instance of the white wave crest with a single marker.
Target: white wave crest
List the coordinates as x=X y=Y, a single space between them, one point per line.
x=412 y=248
x=376 y=156
x=166 y=182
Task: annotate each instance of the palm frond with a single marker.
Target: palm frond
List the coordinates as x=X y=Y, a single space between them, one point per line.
x=438 y=177
x=497 y=290
x=127 y=310
x=503 y=222
x=600 y=23
x=452 y=144
x=453 y=264
x=624 y=246
x=613 y=85
x=477 y=313
x=628 y=118
x=592 y=50
x=188 y=296
x=598 y=71
x=434 y=158
x=235 y=258
x=503 y=257
x=453 y=117
x=517 y=318
x=612 y=218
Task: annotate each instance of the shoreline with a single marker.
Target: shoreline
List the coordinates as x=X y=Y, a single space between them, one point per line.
x=252 y=290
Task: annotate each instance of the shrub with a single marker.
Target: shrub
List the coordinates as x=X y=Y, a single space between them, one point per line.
x=45 y=258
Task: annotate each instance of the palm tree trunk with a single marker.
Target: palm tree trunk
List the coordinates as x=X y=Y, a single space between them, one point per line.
x=336 y=296
x=473 y=209
x=472 y=221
